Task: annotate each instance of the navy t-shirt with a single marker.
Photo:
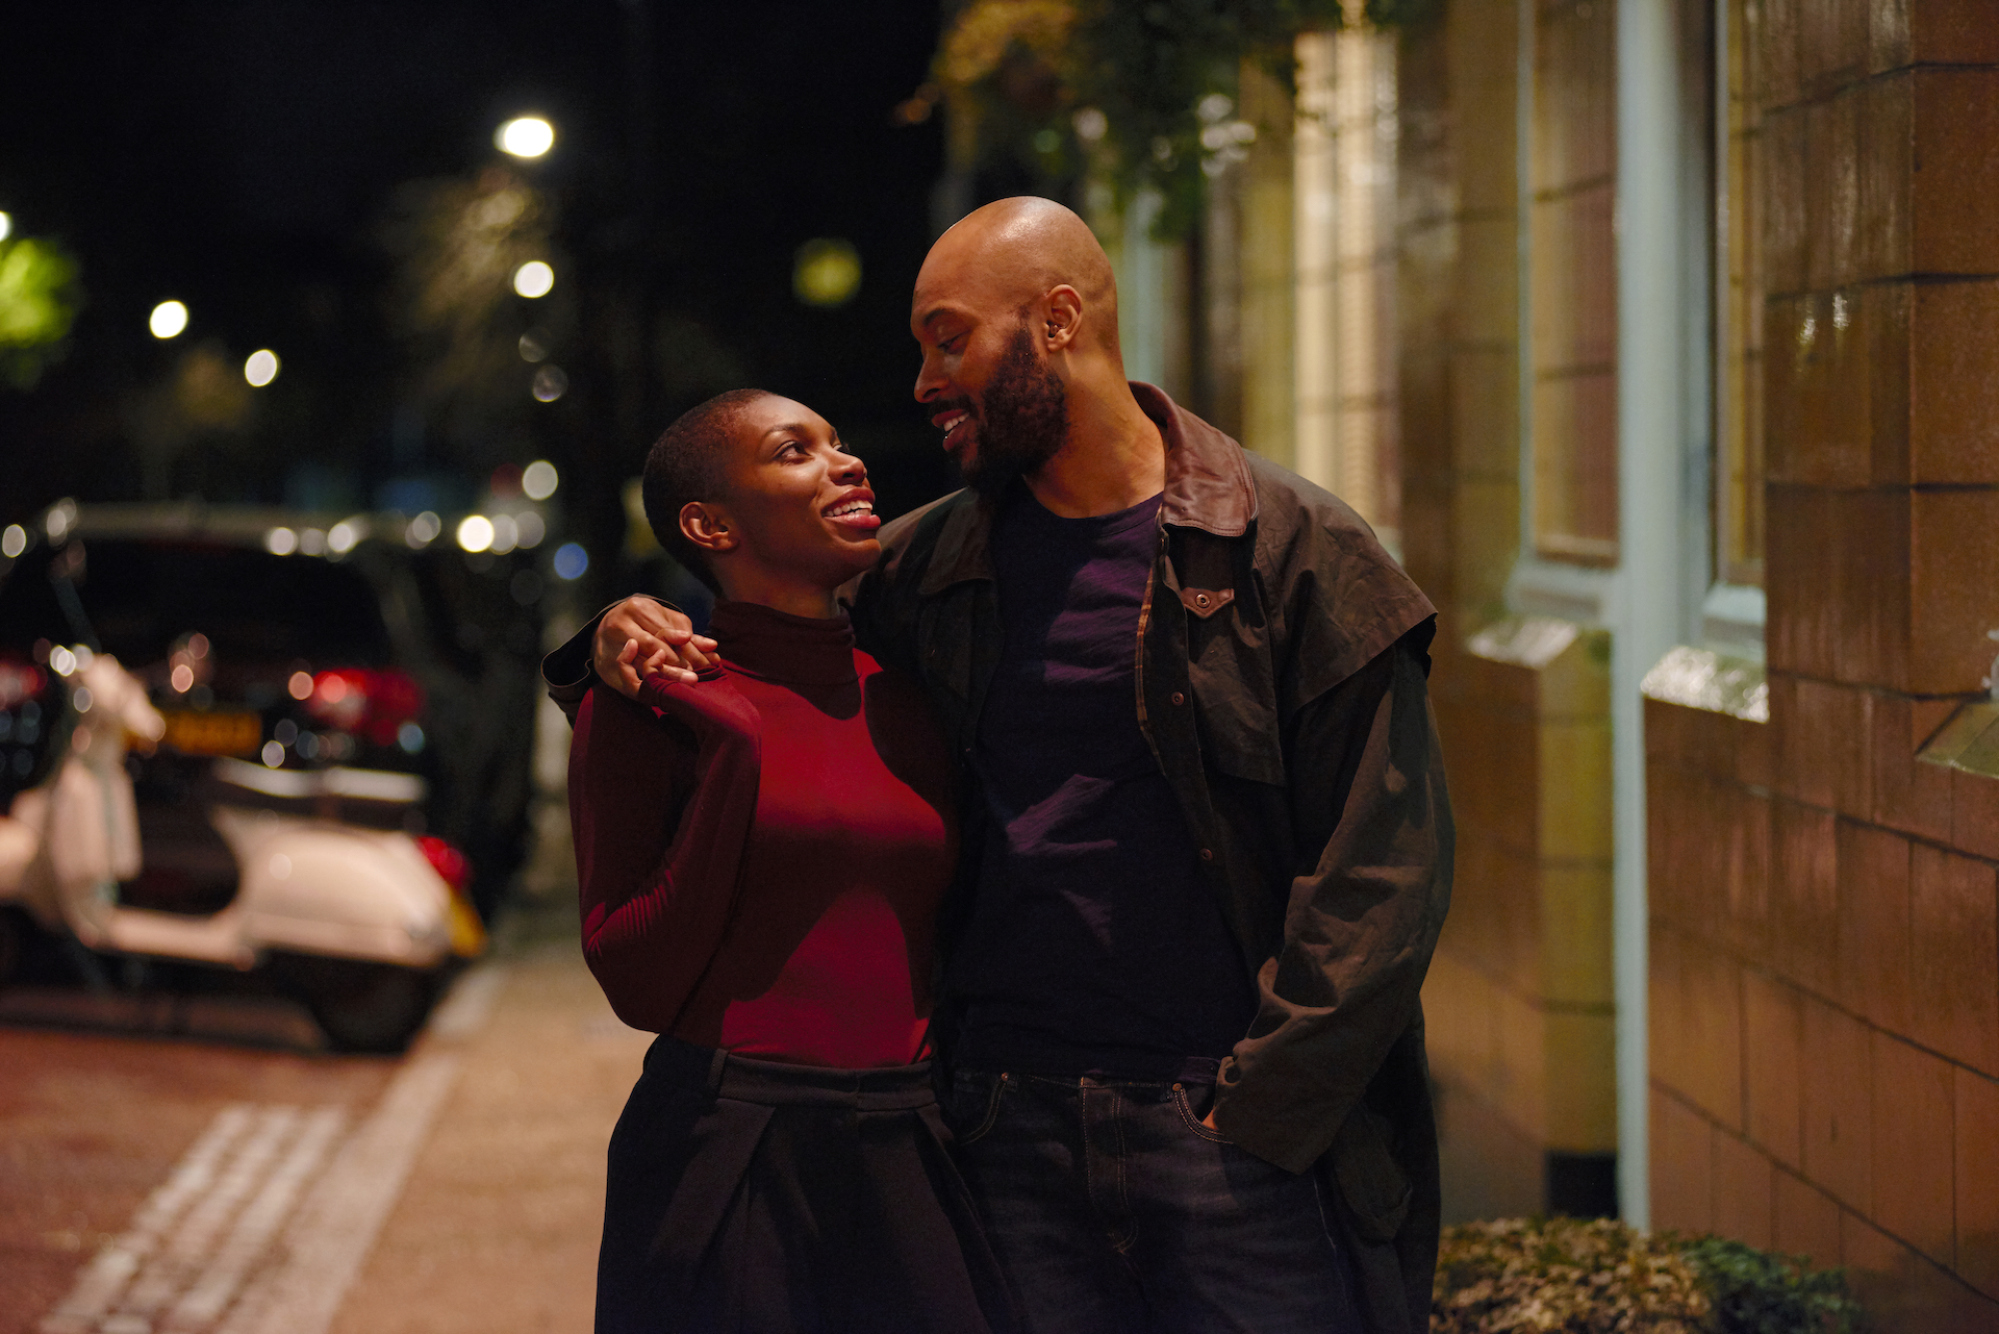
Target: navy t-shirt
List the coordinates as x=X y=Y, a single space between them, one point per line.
x=1093 y=947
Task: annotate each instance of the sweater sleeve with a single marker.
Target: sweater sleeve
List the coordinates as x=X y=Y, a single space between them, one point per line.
x=662 y=794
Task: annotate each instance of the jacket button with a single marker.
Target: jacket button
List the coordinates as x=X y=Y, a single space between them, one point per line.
x=1179 y=698
x=1207 y=854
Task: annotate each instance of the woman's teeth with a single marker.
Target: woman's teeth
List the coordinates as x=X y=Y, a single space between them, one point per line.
x=851 y=507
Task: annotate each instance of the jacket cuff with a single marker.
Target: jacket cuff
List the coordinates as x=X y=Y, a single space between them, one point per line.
x=567 y=673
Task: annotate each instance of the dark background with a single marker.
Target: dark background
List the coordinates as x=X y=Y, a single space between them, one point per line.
x=247 y=159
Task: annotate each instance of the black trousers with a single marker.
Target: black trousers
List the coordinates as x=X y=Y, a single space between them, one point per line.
x=757 y=1197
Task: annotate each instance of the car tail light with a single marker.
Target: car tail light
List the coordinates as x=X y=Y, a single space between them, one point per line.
x=449 y=863
x=365 y=701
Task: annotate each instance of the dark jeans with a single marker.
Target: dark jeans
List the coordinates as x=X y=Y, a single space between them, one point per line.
x=1112 y=1208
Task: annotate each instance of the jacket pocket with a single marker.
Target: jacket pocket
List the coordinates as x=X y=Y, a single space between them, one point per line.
x=1372 y=1183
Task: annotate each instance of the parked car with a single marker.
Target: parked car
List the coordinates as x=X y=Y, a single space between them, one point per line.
x=261 y=742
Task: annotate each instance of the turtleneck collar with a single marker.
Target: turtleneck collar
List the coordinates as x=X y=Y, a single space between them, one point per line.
x=774 y=645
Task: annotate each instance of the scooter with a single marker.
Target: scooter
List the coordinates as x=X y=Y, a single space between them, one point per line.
x=363 y=923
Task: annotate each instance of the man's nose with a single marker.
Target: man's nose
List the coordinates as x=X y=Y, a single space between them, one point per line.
x=929 y=382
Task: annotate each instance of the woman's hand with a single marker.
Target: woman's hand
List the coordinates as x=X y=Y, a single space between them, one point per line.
x=640 y=637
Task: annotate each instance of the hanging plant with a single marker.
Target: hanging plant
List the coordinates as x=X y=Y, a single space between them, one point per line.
x=1140 y=94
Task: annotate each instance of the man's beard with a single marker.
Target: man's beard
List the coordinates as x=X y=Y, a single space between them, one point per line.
x=1023 y=419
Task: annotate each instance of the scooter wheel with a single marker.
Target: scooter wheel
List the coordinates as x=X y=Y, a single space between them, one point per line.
x=369 y=1007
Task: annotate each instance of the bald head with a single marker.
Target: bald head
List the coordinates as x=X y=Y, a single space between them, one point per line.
x=1013 y=252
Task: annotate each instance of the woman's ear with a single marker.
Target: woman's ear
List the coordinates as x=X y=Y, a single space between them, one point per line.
x=707 y=526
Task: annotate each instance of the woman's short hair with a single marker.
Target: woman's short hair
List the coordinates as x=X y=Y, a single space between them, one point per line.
x=687 y=463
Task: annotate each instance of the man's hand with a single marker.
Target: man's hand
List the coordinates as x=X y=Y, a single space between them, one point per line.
x=639 y=637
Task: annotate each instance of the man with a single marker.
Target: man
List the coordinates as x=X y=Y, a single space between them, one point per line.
x=1208 y=839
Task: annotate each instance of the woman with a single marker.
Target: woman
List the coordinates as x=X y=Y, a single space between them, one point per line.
x=761 y=853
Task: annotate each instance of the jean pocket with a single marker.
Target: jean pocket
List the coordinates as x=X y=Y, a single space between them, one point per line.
x=1185 y=1107
x=975 y=1106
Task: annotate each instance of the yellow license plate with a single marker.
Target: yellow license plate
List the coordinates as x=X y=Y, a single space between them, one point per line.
x=214 y=733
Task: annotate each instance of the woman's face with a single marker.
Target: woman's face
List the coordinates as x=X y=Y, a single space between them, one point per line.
x=798 y=502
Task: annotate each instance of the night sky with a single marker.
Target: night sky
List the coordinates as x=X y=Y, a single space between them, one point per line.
x=248 y=159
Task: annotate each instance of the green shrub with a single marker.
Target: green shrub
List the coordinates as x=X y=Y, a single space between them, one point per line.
x=1571 y=1276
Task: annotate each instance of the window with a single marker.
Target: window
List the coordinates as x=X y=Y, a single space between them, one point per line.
x=1573 y=282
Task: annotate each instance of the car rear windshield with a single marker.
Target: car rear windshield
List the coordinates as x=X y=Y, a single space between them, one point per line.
x=140 y=596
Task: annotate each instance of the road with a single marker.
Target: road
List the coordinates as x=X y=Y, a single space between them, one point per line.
x=201 y=1164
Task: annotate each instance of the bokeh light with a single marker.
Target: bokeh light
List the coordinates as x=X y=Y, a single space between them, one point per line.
x=505 y=534
x=571 y=561
x=423 y=530
x=168 y=319
x=534 y=279
x=281 y=541
x=827 y=272
x=525 y=136
x=261 y=367
x=475 y=532
x=539 y=480
x=550 y=383
x=342 y=536
x=14 y=541
x=300 y=685
x=529 y=529
x=6 y=225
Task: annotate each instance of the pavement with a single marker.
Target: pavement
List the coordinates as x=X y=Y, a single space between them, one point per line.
x=183 y=1183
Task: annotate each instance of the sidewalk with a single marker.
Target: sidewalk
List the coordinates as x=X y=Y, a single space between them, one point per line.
x=496 y=1227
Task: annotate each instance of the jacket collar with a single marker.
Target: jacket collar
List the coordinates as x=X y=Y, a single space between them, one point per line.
x=1207 y=487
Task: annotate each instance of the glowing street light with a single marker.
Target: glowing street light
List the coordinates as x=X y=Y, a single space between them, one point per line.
x=525 y=137
x=168 y=319
x=534 y=279
x=261 y=368
x=475 y=532
x=6 y=225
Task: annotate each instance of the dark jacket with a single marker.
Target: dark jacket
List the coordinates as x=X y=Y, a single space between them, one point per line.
x=1282 y=658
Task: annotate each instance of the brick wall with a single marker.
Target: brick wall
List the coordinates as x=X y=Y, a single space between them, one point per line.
x=1825 y=906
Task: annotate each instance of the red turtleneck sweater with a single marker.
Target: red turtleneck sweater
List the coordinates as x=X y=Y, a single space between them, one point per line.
x=761 y=853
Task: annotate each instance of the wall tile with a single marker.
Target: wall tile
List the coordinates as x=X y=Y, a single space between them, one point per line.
x=1838 y=1104
x=1959 y=32
x=1832 y=187
x=1804 y=908
x=1485 y=417
x=1832 y=47
x=1956 y=170
x=1977 y=1180
x=1745 y=1192
x=1696 y=1024
x=1746 y=923
x=1870 y=588
x=1954 y=948
x=1682 y=1166
x=1903 y=1291
x=1786 y=253
x=1575 y=798
x=1954 y=382
x=1874 y=962
x=1913 y=1168
x=1520 y=1088
x=1974 y=812
x=1799 y=553
x=1823 y=744
x=1908 y=795
x=1886 y=143
x=1460 y=1030
x=1807 y=1221
x=1882 y=320
x=1575 y=934
x=1773 y=1071
x=1581 y=1074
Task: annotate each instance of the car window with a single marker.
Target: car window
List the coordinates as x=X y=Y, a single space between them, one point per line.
x=140 y=596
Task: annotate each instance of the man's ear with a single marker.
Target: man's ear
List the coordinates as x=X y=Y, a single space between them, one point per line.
x=707 y=525
x=1061 y=317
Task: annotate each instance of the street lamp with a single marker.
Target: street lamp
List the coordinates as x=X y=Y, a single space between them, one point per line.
x=525 y=137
